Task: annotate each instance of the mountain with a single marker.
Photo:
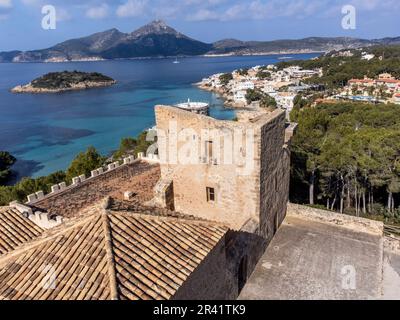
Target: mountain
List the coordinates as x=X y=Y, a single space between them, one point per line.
x=315 y=44
x=152 y=40
x=157 y=39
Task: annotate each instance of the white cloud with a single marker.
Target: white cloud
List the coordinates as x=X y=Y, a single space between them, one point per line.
x=375 y=5
x=5 y=4
x=203 y=15
x=132 y=8
x=98 y=12
x=236 y=12
x=218 y=10
x=62 y=15
x=30 y=2
x=366 y=4
x=5 y=9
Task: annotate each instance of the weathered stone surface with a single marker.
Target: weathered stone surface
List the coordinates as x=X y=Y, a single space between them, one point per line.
x=243 y=190
x=355 y=223
x=310 y=259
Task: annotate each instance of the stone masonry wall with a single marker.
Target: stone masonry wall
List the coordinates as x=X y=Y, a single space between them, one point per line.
x=217 y=277
x=275 y=176
x=237 y=195
x=329 y=217
x=210 y=280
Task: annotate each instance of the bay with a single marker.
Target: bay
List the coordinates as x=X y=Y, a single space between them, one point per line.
x=46 y=131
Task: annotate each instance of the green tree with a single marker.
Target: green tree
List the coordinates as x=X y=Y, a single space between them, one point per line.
x=142 y=143
x=268 y=102
x=225 y=78
x=6 y=162
x=262 y=75
x=349 y=156
x=84 y=163
x=243 y=72
x=127 y=146
x=253 y=95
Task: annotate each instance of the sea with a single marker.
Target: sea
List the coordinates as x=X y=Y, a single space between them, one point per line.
x=46 y=131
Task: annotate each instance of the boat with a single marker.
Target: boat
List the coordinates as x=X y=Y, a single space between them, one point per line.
x=176 y=61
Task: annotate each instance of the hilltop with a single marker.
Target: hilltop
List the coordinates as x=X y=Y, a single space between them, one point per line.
x=157 y=39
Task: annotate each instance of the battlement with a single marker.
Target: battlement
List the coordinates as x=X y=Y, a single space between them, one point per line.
x=41 y=219
x=66 y=201
x=76 y=181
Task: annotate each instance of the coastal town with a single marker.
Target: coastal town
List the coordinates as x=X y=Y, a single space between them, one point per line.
x=148 y=165
x=248 y=87
x=281 y=85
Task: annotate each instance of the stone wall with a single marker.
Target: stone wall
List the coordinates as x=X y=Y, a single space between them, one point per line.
x=274 y=176
x=217 y=277
x=237 y=184
x=346 y=221
x=210 y=280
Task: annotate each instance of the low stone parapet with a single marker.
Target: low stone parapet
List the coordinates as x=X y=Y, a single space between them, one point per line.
x=43 y=220
x=343 y=220
x=151 y=158
x=57 y=188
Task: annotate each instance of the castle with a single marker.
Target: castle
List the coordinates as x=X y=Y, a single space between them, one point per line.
x=197 y=217
x=153 y=227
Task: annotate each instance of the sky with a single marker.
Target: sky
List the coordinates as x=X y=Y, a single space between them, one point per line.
x=204 y=20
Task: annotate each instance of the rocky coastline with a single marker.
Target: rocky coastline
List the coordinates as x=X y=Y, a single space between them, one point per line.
x=65 y=81
x=228 y=101
x=29 y=88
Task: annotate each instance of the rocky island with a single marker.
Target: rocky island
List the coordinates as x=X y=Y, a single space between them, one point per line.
x=65 y=81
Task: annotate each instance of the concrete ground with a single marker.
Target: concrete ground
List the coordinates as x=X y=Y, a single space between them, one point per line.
x=391 y=274
x=311 y=259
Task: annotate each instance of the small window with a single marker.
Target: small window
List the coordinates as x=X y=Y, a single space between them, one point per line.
x=209 y=149
x=210 y=194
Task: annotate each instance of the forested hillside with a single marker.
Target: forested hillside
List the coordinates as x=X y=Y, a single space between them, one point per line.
x=337 y=70
x=346 y=157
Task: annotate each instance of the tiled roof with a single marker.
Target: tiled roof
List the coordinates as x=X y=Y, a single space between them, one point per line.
x=361 y=80
x=15 y=229
x=140 y=178
x=109 y=255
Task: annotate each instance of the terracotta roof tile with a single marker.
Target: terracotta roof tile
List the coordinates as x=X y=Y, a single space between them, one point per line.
x=15 y=229
x=109 y=255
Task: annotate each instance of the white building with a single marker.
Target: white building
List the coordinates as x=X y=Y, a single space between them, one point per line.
x=246 y=85
x=366 y=56
x=268 y=88
x=297 y=72
x=239 y=96
x=396 y=98
x=285 y=100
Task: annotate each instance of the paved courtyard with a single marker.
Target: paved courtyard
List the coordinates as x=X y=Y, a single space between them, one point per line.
x=311 y=259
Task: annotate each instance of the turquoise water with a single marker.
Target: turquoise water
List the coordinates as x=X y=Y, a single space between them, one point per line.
x=46 y=131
